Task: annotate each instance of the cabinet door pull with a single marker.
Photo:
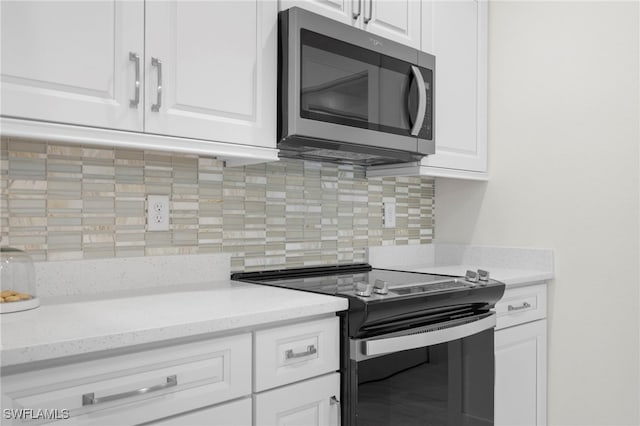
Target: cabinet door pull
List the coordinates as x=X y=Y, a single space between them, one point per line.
x=289 y=354
x=133 y=103
x=525 y=305
x=354 y=14
x=369 y=15
x=158 y=64
x=90 y=399
x=335 y=401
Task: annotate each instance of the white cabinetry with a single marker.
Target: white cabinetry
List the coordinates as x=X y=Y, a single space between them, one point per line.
x=140 y=387
x=458 y=39
x=304 y=358
x=200 y=74
x=296 y=352
x=455 y=31
x=338 y=10
x=521 y=357
x=294 y=369
x=217 y=61
x=311 y=403
x=237 y=413
x=69 y=61
x=397 y=20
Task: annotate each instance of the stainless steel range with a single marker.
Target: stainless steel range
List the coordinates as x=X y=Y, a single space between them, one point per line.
x=417 y=349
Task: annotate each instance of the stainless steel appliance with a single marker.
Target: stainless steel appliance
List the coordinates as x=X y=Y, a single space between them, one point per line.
x=346 y=95
x=417 y=349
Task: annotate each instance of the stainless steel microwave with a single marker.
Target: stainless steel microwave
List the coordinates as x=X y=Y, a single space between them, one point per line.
x=345 y=95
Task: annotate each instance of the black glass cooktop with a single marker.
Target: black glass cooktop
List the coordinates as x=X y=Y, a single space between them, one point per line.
x=410 y=296
x=347 y=283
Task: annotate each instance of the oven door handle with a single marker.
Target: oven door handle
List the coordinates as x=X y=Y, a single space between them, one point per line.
x=417 y=339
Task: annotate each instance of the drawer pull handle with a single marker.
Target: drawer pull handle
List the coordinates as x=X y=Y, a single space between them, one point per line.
x=289 y=354
x=90 y=399
x=525 y=305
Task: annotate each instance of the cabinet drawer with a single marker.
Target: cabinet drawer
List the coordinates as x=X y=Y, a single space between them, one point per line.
x=313 y=402
x=296 y=352
x=237 y=413
x=138 y=387
x=521 y=304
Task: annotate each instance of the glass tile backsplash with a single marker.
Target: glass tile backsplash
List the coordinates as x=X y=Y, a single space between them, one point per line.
x=61 y=202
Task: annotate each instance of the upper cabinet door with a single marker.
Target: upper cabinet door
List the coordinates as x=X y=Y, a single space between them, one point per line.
x=397 y=20
x=455 y=31
x=339 y=10
x=70 y=61
x=211 y=70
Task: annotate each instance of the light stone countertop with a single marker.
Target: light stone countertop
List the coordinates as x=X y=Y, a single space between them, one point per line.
x=512 y=277
x=512 y=265
x=74 y=325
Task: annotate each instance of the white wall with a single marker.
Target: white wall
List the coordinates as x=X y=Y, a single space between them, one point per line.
x=564 y=136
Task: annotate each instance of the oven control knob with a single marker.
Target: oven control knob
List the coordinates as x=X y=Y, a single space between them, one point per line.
x=381 y=287
x=363 y=289
x=471 y=277
x=483 y=276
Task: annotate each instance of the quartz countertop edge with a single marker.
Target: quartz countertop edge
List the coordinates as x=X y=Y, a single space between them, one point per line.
x=82 y=325
x=511 y=277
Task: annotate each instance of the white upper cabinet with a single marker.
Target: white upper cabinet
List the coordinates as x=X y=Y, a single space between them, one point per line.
x=217 y=66
x=185 y=76
x=455 y=31
x=458 y=38
x=397 y=20
x=338 y=10
x=70 y=61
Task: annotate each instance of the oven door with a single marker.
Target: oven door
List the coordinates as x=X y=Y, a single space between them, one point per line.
x=440 y=375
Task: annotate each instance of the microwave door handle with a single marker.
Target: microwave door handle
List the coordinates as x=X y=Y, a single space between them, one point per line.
x=422 y=101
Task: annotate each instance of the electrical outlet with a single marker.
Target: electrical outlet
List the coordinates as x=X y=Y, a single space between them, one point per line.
x=157 y=212
x=389 y=215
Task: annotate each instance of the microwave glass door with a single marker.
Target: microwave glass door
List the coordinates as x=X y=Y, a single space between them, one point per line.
x=345 y=84
x=449 y=384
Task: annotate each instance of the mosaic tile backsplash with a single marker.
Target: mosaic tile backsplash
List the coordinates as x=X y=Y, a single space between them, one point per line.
x=61 y=202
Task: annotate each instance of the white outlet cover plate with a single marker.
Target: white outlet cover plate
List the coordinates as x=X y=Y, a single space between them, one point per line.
x=389 y=215
x=157 y=212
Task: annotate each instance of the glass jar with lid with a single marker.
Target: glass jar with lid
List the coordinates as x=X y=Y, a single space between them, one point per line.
x=17 y=281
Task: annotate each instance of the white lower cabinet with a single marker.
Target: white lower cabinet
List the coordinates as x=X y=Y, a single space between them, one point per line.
x=521 y=375
x=521 y=358
x=295 y=352
x=237 y=413
x=313 y=402
x=284 y=375
x=295 y=374
x=136 y=388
